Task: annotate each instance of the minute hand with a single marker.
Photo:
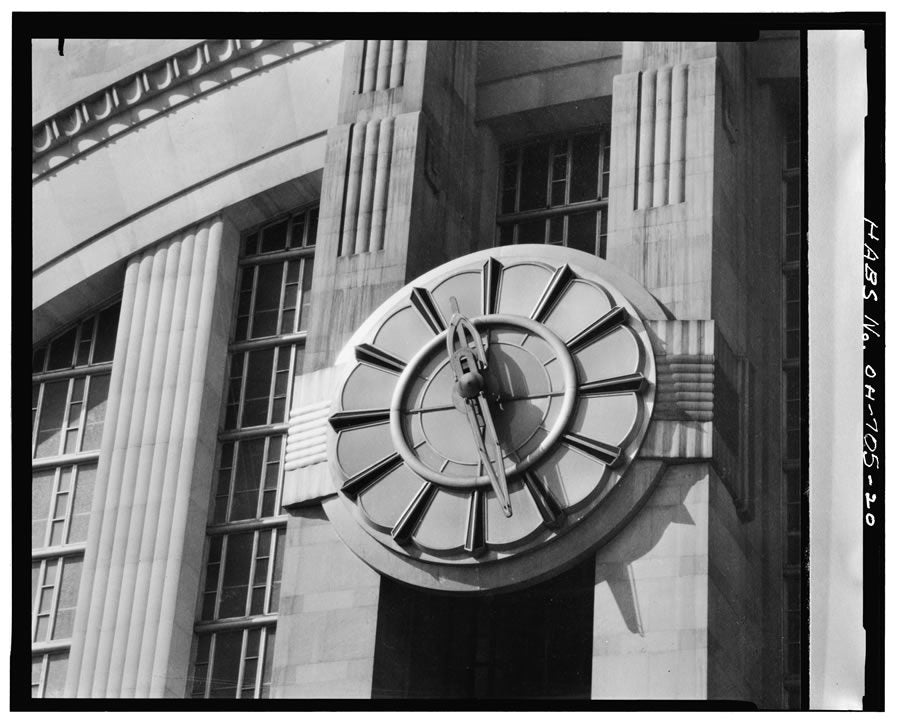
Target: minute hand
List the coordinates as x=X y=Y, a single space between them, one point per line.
x=469 y=368
x=499 y=483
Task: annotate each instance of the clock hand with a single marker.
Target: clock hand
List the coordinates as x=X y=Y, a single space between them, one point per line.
x=469 y=372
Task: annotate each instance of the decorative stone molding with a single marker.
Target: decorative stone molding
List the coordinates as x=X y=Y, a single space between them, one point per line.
x=662 y=124
x=127 y=103
x=368 y=174
x=307 y=440
x=307 y=478
x=382 y=65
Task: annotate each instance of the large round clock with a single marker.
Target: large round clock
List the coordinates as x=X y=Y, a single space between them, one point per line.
x=487 y=412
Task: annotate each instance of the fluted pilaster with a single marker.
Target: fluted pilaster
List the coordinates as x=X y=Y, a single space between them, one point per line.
x=140 y=569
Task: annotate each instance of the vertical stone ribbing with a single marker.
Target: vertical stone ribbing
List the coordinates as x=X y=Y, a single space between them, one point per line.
x=165 y=268
x=679 y=127
x=136 y=542
x=84 y=645
x=201 y=330
x=367 y=187
x=351 y=194
x=661 y=136
x=384 y=65
x=398 y=61
x=370 y=64
x=646 y=131
x=382 y=178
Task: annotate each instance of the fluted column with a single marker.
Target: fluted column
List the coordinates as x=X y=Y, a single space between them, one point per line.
x=661 y=136
x=646 y=133
x=141 y=568
x=679 y=125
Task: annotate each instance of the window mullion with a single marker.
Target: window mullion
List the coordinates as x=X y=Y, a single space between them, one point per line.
x=569 y=162
x=54 y=603
x=252 y=310
x=243 y=659
x=209 y=665
x=223 y=558
x=232 y=477
x=284 y=275
x=37 y=419
x=261 y=661
x=82 y=420
x=248 y=602
x=270 y=574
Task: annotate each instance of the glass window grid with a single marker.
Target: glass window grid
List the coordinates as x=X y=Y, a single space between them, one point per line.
x=555 y=216
x=46 y=611
x=266 y=485
x=301 y=229
x=71 y=431
x=295 y=255
x=263 y=574
x=57 y=571
x=281 y=370
x=253 y=678
x=69 y=485
x=48 y=674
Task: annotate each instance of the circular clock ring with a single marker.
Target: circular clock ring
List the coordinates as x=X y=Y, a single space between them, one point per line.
x=487 y=418
x=424 y=405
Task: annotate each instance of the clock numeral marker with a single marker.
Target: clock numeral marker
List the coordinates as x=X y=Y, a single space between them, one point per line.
x=354 y=418
x=550 y=510
x=554 y=290
x=475 y=528
x=490 y=285
x=608 y=454
x=415 y=511
x=425 y=305
x=610 y=321
x=379 y=358
x=635 y=382
x=359 y=482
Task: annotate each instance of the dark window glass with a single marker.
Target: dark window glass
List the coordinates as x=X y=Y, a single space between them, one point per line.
x=107 y=326
x=226 y=664
x=583 y=232
x=256 y=390
x=532 y=232
x=236 y=576
x=268 y=297
x=534 y=178
x=62 y=350
x=274 y=237
x=585 y=167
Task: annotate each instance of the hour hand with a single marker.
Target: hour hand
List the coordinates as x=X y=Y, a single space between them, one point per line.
x=496 y=474
x=499 y=482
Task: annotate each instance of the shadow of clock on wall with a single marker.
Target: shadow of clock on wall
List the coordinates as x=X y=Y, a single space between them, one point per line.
x=531 y=644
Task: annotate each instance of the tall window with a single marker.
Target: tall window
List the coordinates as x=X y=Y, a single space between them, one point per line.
x=556 y=191
x=70 y=383
x=237 y=612
x=794 y=429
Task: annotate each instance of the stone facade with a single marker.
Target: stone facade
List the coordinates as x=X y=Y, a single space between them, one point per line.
x=400 y=143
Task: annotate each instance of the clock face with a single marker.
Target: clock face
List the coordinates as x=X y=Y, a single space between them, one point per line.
x=568 y=386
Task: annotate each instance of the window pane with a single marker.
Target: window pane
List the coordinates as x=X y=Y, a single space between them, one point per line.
x=274 y=237
x=52 y=411
x=313 y=227
x=41 y=489
x=37 y=669
x=256 y=391
x=62 y=350
x=96 y=411
x=585 y=168
x=268 y=296
x=68 y=597
x=505 y=235
x=305 y=287
x=55 y=682
x=534 y=178
x=532 y=232
x=246 y=480
x=226 y=664
x=236 y=576
x=583 y=232
x=81 y=507
x=267 y=662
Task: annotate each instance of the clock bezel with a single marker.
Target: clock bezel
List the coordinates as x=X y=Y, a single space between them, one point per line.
x=507 y=569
